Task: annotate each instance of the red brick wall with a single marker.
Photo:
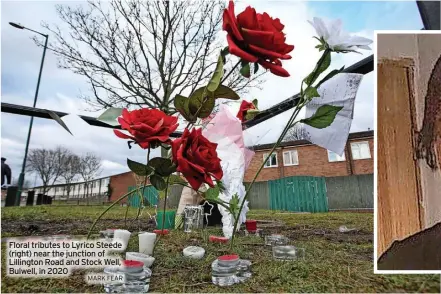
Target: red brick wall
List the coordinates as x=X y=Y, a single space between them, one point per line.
x=313 y=161
x=365 y=166
x=120 y=185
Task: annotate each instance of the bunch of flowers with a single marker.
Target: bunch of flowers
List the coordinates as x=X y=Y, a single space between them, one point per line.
x=258 y=39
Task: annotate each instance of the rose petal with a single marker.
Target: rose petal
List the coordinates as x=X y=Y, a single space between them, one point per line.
x=274 y=68
x=229 y=22
x=122 y=135
x=267 y=53
x=260 y=38
x=124 y=124
x=235 y=50
x=247 y=19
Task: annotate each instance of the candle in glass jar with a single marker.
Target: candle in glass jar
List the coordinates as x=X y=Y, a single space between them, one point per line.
x=147 y=242
x=122 y=236
x=144 y=258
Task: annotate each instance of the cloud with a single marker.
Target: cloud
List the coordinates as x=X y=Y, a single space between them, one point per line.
x=60 y=88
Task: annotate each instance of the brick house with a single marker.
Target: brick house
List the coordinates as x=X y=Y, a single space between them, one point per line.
x=301 y=158
x=119 y=185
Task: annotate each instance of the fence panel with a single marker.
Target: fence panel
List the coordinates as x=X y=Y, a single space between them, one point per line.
x=259 y=195
x=300 y=194
x=350 y=192
x=151 y=197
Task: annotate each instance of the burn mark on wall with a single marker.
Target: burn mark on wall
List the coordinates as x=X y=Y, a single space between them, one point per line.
x=430 y=132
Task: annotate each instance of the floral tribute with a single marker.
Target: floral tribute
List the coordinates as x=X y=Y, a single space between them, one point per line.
x=255 y=38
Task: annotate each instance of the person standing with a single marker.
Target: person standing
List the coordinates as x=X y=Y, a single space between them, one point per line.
x=6 y=172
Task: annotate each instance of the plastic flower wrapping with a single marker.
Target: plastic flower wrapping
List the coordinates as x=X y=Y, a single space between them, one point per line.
x=226 y=130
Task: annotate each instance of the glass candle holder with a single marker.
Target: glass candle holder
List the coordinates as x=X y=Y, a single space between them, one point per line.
x=276 y=240
x=243 y=270
x=223 y=275
x=135 y=278
x=288 y=252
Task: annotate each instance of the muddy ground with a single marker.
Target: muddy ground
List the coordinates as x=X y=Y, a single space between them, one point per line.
x=81 y=227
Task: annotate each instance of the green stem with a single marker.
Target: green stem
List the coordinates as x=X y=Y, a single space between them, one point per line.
x=165 y=204
x=231 y=71
x=289 y=125
x=107 y=209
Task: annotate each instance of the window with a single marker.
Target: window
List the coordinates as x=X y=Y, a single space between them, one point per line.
x=290 y=158
x=272 y=161
x=333 y=157
x=360 y=150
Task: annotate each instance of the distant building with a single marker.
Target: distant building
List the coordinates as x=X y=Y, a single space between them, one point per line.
x=96 y=187
x=302 y=158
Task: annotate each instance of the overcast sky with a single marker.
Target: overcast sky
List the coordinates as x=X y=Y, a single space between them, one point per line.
x=60 y=89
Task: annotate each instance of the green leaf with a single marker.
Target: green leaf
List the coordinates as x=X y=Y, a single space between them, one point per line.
x=181 y=104
x=58 y=120
x=162 y=166
x=225 y=52
x=158 y=182
x=330 y=75
x=234 y=205
x=251 y=113
x=311 y=92
x=175 y=179
x=221 y=185
x=225 y=93
x=110 y=116
x=212 y=193
x=217 y=75
x=256 y=67
x=255 y=102
x=323 y=117
x=203 y=101
x=320 y=67
x=245 y=70
x=139 y=168
x=161 y=194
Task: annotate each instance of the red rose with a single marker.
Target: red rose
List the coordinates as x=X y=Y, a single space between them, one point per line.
x=147 y=126
x=257 y=37
x=196 y=158
x=244 y=107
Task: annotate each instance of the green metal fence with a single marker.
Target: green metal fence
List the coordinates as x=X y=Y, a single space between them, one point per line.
x=150 y=197
x=300 y=194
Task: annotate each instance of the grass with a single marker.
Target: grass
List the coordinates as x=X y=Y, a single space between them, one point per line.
x=334 y=262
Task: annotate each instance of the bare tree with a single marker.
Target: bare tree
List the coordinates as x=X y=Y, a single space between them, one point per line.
x=296 y=133
x=47 y=164
x=90 y=165
x=71 y=171
x=143 y=53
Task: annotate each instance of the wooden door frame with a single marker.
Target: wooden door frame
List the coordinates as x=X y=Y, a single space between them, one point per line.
x=409 y=65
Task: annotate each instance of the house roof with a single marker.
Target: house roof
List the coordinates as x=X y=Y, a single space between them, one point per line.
x=352 y=136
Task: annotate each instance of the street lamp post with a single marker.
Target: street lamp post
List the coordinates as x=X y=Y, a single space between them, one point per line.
x=23 y=167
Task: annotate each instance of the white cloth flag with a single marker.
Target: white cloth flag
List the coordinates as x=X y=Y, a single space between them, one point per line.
x=340 y=90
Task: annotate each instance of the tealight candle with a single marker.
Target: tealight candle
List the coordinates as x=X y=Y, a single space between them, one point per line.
x=194 y=252
x=144 y=258
x=122 y=236
x=161 y=232
x=251 y=225
x=217 y=239
x=147 y=242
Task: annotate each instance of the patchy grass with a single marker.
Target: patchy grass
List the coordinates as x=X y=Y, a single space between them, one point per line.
x=334 y=262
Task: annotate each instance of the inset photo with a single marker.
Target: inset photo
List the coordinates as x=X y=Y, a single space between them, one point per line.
x=408 y=204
